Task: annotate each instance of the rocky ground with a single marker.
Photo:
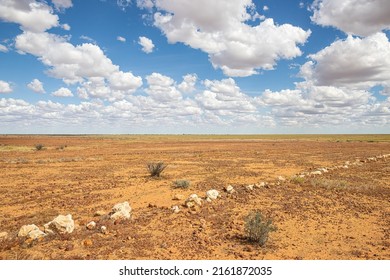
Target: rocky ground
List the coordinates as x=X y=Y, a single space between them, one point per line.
x=328 y=196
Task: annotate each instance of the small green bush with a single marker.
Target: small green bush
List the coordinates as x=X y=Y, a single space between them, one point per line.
x=182 y=184
x=258 y=227
x=156 y=168
x=39 y=147
x=297 y=180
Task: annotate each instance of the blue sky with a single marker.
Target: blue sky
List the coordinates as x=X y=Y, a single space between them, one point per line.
x=184 y=66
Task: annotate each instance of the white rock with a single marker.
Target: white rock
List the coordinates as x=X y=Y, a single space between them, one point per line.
x=61 y=224
x=31 y=231
x=281 y=179
x=212 y=194
x=103 y=230
x=175 y=209
x=36 y=233
x=121 y=211
x=249 y=187
x=317 y=172
x=193 y=200
x=91 y=225
x=3 y=235
x=261 y=185
x=99 y=213
x=24 y=230
x=229 y=189
x=178 y=197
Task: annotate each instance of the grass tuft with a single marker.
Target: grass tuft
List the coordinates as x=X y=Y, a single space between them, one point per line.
x=258 y=227
x=156 y=168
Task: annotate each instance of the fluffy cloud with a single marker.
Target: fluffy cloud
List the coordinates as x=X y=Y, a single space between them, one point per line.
x=62 y=4
x=31 y=15
x=123 y=4
x=188 y=84
x=147 y=44
x=318 y=105
x=359 y=17
x=219 y=28
x=224 y=96
x=124 y=81
x=145 y=4
x=62 y=92
x=67 y=62
x=3 y=48
x=5 y=87
x=353 y=62
x=121 y=39
x=162 y=88
x=65 y=26
x=85 y=64
x=36 y=86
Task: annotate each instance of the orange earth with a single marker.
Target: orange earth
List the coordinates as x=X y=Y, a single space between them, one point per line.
x=341 y=214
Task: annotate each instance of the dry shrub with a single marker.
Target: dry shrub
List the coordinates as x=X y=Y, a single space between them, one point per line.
x=156 y=168
x=258 y=227
x=39 y=147
x=182 y=184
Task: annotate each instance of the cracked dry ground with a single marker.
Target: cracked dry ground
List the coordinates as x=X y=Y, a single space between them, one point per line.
x=343 y=214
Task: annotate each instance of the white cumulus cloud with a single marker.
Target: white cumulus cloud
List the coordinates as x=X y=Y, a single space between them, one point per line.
x=188 y=83
x=162 y=88
x=5 y=87
x=36 y=86
x=65 y=26
x=353 y=62
x=85 y=64
x=219 y=28
x=62 y=4
x=62 y=92
x=146 y=43
x=224 y=96
x=3 y=48
x=31 y=15
x=359 y=17
x=145 y=4
x=121 y=39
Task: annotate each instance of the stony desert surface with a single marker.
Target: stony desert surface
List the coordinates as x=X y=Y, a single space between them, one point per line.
x=328 y=196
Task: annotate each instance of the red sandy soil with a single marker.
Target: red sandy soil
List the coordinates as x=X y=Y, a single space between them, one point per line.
x=342 y=214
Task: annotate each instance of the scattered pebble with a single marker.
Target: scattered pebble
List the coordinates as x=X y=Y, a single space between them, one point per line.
x=229 y=189
x=175 y=209
x=104 y=230
x=91 y=225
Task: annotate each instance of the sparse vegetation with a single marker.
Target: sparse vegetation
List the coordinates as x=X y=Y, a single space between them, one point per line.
x=39 y=147
x=61 y=148
x=258 y=227
x=156 y=168
x=297 y=180
x=328 y=183
x=182 y=184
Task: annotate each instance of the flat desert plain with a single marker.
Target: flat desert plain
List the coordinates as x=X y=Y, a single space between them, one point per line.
x=342 y=213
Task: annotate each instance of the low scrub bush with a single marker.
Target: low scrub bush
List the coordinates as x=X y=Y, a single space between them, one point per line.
x=39 y=147
x=258 y=227
x=182 y=184
x=297 y=180
x=156 y=168
x=328 y=183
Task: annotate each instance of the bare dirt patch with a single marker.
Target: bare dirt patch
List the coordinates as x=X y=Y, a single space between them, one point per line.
x=342 y=214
